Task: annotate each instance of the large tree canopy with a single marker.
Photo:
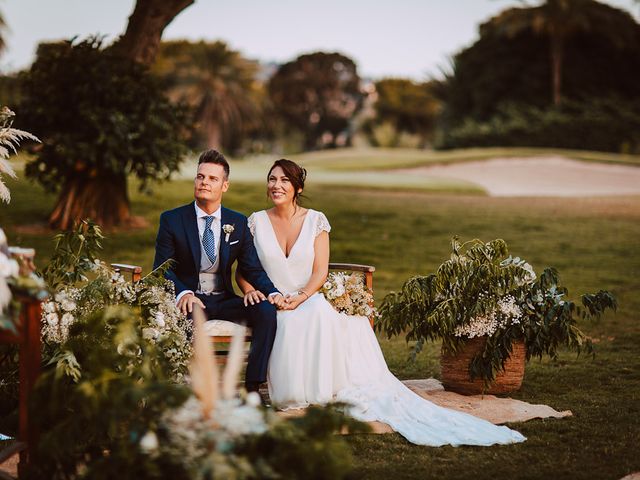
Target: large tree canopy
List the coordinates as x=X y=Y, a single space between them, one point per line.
x=496 y=71
x=220 y=86
x=557 y=21
x=101 y=117
x=318 y=94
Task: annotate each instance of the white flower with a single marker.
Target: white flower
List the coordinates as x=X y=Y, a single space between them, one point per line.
x=149 y=442
x=48 y=307
x=150 y=333
x=60 y=296
x=68 y=305
x=67 y=319
x=52 y=318
x=253 y=399
x=159 y=319
x=327 y=285
x=228 y=230
x=239 y=419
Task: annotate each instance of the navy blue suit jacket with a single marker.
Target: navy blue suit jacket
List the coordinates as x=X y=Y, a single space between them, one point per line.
x=178 y=239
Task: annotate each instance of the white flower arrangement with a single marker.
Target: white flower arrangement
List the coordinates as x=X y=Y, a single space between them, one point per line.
x=163 y=323
x=191 y=435
x=348 y=294
x=508 y=313
x=213 y=418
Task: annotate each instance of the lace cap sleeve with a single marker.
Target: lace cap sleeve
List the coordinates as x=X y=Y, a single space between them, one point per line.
x=322 y=224
x=251 y=223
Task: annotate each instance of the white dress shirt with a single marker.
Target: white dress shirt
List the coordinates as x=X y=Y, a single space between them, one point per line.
x=205 y=263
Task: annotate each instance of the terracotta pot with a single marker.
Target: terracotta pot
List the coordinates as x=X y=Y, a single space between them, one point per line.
x=455 y=370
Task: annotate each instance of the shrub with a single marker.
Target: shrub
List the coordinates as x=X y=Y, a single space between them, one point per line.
x=607 y=124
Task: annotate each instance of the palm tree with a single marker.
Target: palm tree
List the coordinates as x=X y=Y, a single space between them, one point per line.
x=217 y=82
x=3 y=27
x=558 y=20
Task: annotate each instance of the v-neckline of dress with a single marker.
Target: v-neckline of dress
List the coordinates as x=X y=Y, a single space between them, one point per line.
x=275 y=237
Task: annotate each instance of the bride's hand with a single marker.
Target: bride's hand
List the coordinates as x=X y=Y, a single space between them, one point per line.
x=293 y=301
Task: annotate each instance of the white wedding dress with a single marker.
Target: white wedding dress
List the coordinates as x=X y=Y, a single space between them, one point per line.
x=320 y=355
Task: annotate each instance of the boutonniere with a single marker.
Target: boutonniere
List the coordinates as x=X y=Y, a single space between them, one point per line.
x=228 y=230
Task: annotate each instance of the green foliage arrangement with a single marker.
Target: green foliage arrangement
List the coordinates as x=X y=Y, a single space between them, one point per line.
x=98 y=396
x=82 y=285
x=101 y=117
x=241 y=440
x=114 y=400
x=481 y=291
x=74 y=255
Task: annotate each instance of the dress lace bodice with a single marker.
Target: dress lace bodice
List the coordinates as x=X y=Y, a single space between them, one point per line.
x=291 y=273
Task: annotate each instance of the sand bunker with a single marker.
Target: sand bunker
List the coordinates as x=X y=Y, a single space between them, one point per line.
x=541 y=177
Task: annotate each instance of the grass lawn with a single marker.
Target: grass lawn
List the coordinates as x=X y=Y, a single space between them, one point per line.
x=593 y=243
x=385 y=159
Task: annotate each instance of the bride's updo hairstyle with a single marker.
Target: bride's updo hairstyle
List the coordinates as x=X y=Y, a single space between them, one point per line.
x=294 y=172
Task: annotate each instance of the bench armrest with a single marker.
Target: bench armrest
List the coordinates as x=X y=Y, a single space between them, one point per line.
x=352 y=267
x=134 y=270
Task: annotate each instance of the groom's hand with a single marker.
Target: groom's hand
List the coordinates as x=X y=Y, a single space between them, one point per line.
x=253 y=297
x=186 y=303
x=278 y=300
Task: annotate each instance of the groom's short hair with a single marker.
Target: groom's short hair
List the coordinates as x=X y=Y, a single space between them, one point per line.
x=215 y=157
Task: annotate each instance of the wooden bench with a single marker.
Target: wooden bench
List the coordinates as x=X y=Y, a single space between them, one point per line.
x=222 y=331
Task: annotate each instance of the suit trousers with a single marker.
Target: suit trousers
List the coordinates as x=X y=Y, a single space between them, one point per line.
x=262 y=319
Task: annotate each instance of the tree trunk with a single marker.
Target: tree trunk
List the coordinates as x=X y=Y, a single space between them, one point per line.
x=557 y=54
x=141 y=41
x=213 y=133
x=104 y=200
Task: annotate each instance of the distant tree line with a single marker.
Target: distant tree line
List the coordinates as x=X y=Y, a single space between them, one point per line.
x=563 y=73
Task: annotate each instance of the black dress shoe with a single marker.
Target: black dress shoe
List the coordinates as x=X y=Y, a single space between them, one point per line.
x=264 y=393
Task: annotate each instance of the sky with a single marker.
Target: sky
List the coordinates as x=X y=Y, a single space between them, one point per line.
x=400 y=38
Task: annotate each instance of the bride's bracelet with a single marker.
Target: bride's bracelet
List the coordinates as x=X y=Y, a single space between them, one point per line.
x=303 y=293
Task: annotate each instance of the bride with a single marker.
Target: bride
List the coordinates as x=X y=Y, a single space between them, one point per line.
x=320 y=355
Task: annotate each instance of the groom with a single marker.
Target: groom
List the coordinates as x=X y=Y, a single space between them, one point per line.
x=204 y=239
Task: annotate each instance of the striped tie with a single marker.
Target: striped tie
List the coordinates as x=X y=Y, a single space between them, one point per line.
x=208 y=241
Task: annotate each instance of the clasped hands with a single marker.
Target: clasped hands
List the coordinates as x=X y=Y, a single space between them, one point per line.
x=288 y=302
x=282 y=302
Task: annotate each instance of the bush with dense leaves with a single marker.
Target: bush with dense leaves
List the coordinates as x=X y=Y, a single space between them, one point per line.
x=605 y=124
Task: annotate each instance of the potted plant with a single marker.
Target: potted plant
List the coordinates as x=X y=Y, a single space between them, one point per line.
x=492 y=313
